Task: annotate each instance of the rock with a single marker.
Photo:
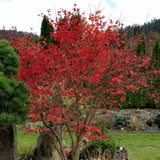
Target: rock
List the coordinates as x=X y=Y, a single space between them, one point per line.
x=153 y=129
x=140 y=127
x=28 y=126
x=137 y=116
x=45 y=149
x=149 y=122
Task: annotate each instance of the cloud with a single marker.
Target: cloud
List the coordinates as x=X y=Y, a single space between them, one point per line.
x=111 y=3
x=5 y=0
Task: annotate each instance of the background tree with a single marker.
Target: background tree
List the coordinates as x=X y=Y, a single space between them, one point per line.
x=14 y=101
x=141 y=48
x=46 y=29
x=156 y=53
x=36 y=39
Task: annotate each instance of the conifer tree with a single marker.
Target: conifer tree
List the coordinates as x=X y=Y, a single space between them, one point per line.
x=156 y=53
x=141 y=48
x=36 y=39
x=14 y=101
x=156 y=62
x=46 y=29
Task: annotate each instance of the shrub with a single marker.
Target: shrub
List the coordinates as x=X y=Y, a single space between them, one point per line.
x=109 y=122
x=121 y=121
x=138 y=100
x=105 y=148
x=131 y=126
x=157 y=120
x=25 y=152
x=99 y=122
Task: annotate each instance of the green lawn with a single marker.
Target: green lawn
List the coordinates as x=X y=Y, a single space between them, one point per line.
x=28 y=139
x=133 y=143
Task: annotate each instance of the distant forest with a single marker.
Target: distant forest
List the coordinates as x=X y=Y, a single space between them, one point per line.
x=148 y=27
x=20 y=33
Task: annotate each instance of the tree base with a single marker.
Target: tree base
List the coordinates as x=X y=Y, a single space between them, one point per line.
x=8 y=143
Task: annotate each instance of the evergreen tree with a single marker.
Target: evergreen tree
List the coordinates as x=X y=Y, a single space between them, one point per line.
x=156 y=62
x=156 y=53
x=36 y=39
x=141 y=48
x=14 y=100
x=46 y=29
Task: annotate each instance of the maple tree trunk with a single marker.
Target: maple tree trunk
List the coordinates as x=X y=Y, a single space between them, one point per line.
x=8 y=143
x=76 y=153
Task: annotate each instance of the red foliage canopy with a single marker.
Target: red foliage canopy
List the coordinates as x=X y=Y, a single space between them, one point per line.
x=85 y=70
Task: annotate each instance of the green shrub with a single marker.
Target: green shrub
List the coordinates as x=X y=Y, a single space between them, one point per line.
x=131 y=126
x=138 y=100
x=109 y=122
x=157 y=120
x=105 y=148
x=99 y=122
x=121 y=121
x=25 y=152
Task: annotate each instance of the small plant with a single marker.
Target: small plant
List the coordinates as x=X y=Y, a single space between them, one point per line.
x=157 y=120
x=131 y=126
x=97 y=148
x=99 y=122
x=103 y=149
x=108 y=123
x=121 y=121
x=25 y=152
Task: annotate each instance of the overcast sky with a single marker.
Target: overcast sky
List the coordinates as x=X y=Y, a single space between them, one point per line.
x=24 y=13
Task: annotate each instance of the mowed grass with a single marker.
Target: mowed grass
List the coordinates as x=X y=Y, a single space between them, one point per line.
x=135 y=145
x=132 y=142
x=26 y=140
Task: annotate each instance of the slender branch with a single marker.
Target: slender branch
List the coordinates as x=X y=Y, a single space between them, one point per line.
x=70 y=135
x=57 y=138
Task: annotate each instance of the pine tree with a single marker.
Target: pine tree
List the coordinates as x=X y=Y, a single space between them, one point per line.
x=156 y=62
x=36 y=39
x=156 y=53
x=141 y=48
x=14 y=100
x=46 y=29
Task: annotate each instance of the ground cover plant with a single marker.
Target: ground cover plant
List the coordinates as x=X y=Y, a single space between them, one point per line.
x=88 y=67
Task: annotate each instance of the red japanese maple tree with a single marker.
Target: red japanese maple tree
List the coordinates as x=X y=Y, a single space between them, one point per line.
x=85 y=70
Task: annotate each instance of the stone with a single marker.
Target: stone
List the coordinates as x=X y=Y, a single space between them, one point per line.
x=45 y=149
x=149 y=122
x=140 y=127
x=153 y=129
x=28 y=126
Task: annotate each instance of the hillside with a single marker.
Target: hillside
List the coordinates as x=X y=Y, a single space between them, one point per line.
x=149 y=27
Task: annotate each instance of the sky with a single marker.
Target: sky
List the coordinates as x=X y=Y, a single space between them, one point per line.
x=24 y=13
